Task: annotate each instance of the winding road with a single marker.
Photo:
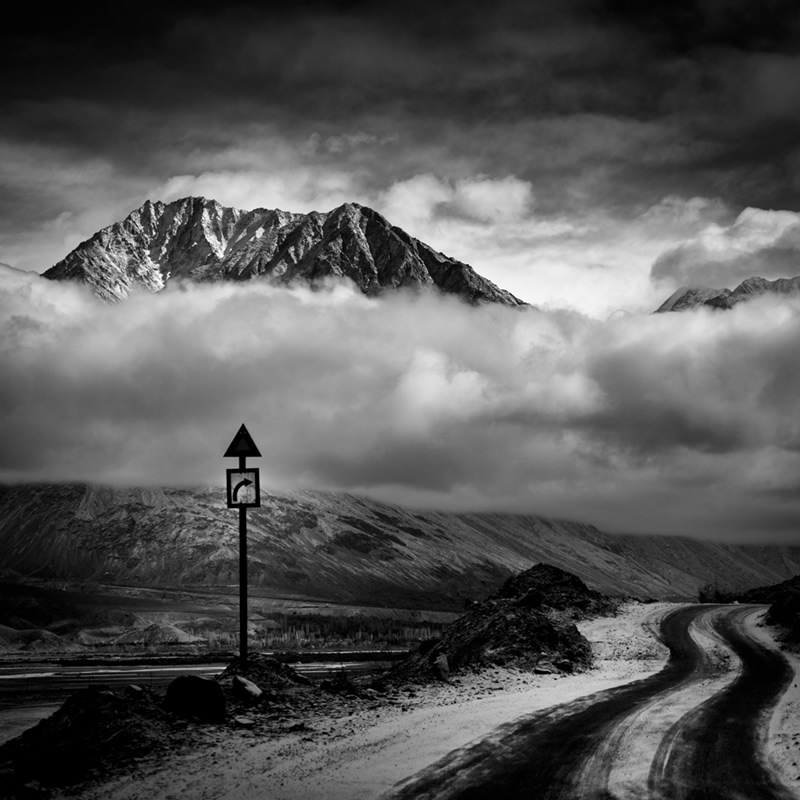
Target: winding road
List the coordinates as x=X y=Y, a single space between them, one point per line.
x=693 y=730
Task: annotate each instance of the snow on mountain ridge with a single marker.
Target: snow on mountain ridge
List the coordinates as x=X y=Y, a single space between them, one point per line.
x=690 y=297
x=200 y=240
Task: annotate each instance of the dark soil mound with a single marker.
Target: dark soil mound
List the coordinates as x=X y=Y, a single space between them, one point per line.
x=786 y=611
x=769 y=594
x=265 y=672
x=546 y=586
x=521 y=626
x=784 y=599
x=501 y=633
x=96 y=729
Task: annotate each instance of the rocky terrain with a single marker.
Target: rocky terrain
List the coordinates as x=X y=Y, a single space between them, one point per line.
x=523 y=626
x=296 y=740
x=97 y=729
x=547 y=587
x=784 y=609
x=196 y=239
x=722 y=299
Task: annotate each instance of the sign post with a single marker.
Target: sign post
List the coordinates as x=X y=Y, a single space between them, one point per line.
x=243 y=491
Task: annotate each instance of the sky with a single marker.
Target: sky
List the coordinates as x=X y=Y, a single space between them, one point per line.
x=590 y=156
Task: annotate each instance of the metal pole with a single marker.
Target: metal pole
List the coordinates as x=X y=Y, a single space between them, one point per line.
x=242 y=578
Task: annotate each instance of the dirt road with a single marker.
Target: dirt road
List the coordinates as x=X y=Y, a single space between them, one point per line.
x=693 y=730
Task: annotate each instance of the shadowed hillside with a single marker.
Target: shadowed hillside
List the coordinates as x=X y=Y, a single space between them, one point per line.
x=346 y=549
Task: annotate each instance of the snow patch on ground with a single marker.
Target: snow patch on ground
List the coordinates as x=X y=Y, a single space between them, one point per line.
x=783 y=735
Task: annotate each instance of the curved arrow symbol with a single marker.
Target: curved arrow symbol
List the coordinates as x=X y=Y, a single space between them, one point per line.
x=245 y=482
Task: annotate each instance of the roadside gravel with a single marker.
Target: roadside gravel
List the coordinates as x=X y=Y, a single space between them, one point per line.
x=338 y=753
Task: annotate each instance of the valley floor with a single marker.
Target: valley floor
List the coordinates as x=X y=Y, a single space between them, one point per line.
x=364 y=753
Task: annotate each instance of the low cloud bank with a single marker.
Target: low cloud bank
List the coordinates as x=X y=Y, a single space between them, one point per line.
x=758 y=242
x=682 y=423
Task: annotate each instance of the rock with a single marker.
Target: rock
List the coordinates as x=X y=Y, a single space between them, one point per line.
x=245 y=689
x=265 y=672
x=441 y=668
x=299 y=728
x=244 y=722
x=193 y=696
x=93 y=730
x=544 y=668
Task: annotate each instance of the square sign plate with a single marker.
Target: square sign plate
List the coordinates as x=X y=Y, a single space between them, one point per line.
x=244 y=489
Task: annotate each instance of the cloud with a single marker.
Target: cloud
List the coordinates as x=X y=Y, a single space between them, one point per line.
x=427 y=198
x=670 y=423
x=302 y=189
x=501 y=223
x=759 y=242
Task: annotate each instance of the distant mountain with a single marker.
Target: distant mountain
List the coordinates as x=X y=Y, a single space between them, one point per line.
x=690 y=297
x=342 y=548
x=200 y=240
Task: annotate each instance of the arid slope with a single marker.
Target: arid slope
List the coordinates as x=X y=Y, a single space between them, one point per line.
x=344 y=548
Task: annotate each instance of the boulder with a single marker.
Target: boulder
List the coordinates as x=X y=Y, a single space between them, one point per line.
x=441 y=668
x=193 y=696
x=245 y=689
x=266 y=672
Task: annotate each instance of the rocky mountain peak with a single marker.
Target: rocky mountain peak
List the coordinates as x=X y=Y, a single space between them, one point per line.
x=198 y=239
x=722 y=299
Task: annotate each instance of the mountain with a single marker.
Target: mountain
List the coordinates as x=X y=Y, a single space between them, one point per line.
x=690 y=297
x=342 y=548
x=722 y=299
x=199 y=240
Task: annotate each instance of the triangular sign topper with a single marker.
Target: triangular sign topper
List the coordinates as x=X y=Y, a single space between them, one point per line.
x=242 y=445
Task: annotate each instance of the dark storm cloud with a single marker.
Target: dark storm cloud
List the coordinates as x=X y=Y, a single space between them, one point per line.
x=565 y=145
x=679 y=97
x=656 y=423
x=687 y=25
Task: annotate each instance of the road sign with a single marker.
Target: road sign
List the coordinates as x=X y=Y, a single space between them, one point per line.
x=242 y=445
x=244 y=489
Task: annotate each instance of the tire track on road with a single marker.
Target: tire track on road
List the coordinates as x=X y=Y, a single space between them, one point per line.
x=584 y=750
x=716 y=751
x=536 y=757
x=620 y=766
